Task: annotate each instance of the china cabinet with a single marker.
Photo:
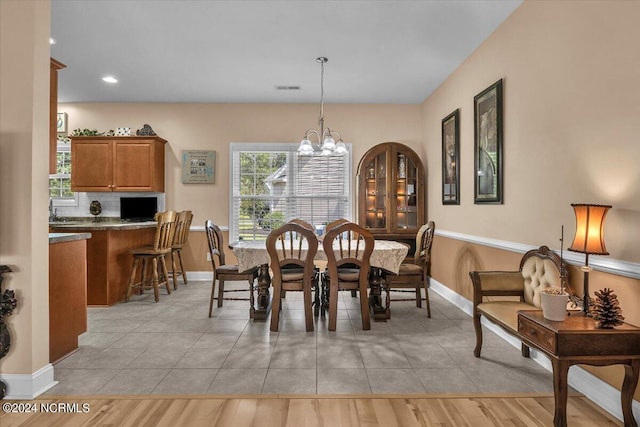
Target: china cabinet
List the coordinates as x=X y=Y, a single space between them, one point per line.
x=111 y=163
x=391 y=192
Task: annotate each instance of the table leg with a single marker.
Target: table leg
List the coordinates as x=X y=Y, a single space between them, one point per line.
x=375 y=297
x=264 y=298
x=628 y=388
x=560 y=389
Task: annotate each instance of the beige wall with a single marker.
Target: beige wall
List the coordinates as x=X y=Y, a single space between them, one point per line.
x=571 y=135
x=571 y=124
x=24 y=148
x=214 y=126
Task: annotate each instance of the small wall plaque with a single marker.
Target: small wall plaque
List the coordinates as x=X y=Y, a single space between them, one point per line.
x=198 y=167
x=61 y=124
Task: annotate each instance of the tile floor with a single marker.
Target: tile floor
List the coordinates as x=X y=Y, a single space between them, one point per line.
x=173 y=347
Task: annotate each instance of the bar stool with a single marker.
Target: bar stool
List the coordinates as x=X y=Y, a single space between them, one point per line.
x=156 y=254
x=183 y=223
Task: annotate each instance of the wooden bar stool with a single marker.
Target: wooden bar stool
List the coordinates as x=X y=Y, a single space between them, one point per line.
x=183 y=223
x=150 y=278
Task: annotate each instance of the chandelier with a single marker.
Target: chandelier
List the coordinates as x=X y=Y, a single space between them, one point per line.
x=325 y=136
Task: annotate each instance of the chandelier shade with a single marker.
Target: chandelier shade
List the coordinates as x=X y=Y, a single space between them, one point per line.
x=326 y=137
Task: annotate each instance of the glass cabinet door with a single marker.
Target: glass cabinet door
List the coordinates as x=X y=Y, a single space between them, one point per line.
x=376 y=192
x=406 y=183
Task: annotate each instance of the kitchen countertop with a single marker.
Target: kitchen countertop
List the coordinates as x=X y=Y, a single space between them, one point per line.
x=104 y=224
x=67 y=237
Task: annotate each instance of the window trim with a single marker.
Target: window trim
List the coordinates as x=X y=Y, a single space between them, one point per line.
x=282 y=147
x=62 y=202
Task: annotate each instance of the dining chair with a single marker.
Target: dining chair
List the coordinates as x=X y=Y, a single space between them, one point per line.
x=292 y=249
x=223 y=272
x=302 y=222
x=154 y=271
x=348 y=248
x=180 y=237
x=335 y=223
x=416 y=275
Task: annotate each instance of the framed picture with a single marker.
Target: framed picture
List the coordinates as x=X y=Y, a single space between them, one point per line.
x=487 y=118
x=62 y=122
x=451 y=159
x=198 y=167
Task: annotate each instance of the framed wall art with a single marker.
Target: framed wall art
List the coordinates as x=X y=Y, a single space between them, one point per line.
x=487 y=118
x=198 y=167
x=61 y=123
x=451 y=159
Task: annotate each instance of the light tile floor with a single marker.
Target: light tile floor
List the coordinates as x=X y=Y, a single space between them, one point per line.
x=173 y=347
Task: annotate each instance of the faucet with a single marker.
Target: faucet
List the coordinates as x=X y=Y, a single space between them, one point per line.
x=53 y=213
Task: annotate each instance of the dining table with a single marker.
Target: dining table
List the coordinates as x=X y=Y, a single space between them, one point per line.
x=387 y=256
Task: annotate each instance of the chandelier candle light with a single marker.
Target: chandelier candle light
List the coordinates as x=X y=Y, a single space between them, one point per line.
x=325 y=136
x=589 y=239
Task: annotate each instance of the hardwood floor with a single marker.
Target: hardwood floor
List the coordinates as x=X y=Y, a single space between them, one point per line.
x=533 y=409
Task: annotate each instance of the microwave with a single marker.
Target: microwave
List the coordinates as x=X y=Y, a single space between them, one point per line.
x=138 y=208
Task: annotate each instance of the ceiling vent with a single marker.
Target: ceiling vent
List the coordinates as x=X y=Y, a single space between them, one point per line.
x=285 y=87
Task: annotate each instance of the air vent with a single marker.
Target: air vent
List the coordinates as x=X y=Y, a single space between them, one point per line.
x=284 y=87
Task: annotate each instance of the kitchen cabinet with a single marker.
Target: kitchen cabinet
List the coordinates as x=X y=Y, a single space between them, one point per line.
x=391 y=192
x=108 y=259
x=53 y=112
x=107 y=163
x=67 y=292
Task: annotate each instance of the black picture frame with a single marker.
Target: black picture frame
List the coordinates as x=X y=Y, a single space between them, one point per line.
x=451 y=159
x=488 y=159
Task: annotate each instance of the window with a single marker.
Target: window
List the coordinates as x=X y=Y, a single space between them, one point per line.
x=271 y=184
x=60 y=182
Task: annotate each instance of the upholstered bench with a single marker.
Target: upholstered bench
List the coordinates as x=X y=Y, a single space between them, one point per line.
x=539 y=269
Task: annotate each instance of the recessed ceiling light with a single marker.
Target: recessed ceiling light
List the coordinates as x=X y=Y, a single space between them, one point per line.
x=110 y=79
x=52 y=40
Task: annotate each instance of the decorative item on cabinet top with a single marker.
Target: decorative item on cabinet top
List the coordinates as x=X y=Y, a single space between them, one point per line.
x=145 y=131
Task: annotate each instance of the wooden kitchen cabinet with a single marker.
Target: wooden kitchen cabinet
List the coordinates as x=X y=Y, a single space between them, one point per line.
x=391 y=192
x=107 y=163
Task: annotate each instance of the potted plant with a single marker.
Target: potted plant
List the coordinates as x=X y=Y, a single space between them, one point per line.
x=554 y=303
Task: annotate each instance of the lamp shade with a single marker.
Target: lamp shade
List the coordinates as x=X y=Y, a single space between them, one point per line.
x=589 y=238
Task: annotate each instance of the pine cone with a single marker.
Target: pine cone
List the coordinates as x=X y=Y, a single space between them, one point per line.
x=606 y=309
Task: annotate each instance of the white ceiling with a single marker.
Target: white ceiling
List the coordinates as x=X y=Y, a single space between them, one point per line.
x=238 y=51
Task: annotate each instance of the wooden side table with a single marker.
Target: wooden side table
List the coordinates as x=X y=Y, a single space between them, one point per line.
x=576 y=340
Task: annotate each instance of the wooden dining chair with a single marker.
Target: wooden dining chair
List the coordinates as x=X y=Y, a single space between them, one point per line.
x=180 y=237
x=416 y=275
x=154 y=271
x=292 y=249
x=223 y=272
x=303 y=223
x=348 y=248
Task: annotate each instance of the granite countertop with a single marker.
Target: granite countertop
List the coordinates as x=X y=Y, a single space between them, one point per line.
x=88 y=224
x=67 y=237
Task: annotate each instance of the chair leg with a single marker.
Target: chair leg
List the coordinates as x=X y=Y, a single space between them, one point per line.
x=333 y=305
x=220 y=292
x=156 y=292
x=308 y=309
x=182 y=272
x=478 y=328
x=165 y=272
x=213 y=293
x=418 y=297
x=275 y=307
x=426 y=294
x=132 y=277
x=174 y=275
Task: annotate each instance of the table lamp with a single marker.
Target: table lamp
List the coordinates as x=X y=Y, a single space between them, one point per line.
x=589 y=239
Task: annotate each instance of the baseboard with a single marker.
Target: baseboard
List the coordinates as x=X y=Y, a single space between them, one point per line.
x=200 y=275
x=598 y=391
x=29 y=386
